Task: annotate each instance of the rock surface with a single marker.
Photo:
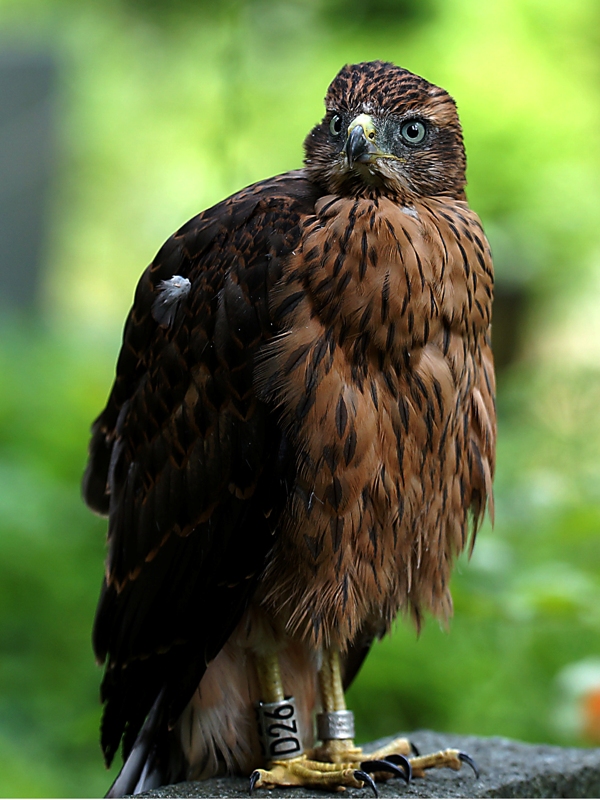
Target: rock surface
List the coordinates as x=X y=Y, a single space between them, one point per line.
x=507 y=769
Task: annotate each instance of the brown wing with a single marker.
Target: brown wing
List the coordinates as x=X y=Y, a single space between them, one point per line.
x=189 y=466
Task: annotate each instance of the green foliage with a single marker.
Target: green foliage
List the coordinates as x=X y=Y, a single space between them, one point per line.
x=166 y=108
x=51 y=555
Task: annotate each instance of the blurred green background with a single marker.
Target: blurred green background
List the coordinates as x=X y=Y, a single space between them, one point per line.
x=161 y=109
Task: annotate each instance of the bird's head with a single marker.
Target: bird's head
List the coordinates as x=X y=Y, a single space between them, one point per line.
x=387 y=131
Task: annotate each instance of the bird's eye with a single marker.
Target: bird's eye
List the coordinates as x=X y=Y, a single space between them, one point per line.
x=335 y=126
x=413 y=132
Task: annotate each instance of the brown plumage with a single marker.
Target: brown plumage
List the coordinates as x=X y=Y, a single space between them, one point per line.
x=301 y=423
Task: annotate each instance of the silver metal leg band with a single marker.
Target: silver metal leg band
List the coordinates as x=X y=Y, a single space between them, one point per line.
x=279 y=729
x=335 y=725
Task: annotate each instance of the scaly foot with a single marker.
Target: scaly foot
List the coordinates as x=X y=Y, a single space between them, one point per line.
x=454 y=759
x=303 y=771
x=444 y=758
x=337 y=764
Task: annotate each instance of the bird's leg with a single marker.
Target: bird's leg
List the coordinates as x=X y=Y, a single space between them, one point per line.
x=279 y=729
x=335 y=727
x=337 y=762
x=277 y=714
x=335 y=724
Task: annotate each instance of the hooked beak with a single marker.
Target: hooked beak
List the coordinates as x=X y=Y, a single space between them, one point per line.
x=360 y=144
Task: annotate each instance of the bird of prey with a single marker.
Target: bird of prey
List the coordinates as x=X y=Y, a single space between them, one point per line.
x=298 y=442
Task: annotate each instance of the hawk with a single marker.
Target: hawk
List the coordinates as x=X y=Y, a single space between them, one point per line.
x=298 y=442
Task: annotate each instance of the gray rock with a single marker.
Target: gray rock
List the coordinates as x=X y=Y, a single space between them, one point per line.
x=507 y=769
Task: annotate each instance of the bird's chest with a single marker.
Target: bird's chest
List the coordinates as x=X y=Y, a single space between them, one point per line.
x=373 y=305
x=373 y=274
x=384 y=278
x=363 y=370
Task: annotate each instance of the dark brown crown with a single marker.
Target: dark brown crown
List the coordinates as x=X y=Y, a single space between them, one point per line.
x=384 y=87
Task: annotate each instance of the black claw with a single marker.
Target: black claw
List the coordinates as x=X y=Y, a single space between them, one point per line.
x=389 y=765
x=253 y=779
x=468 y=760
x=414 y=749
x=403 y=762
x=396 y=760
x=365 y=778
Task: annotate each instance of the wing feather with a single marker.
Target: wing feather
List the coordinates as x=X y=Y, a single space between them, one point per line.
x=185 y=460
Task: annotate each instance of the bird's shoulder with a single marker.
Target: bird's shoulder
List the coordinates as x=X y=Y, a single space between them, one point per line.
x=210 y=279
